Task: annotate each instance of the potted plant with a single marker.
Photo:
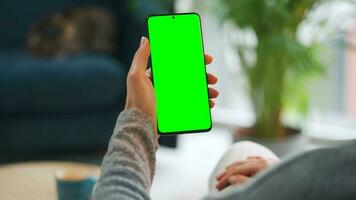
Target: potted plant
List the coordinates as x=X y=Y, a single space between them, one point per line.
x=277 y=65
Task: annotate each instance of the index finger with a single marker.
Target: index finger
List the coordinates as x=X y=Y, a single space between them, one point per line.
x=240 y=162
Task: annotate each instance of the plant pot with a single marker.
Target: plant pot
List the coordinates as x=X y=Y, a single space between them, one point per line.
x=293 y=141
x=249 y=132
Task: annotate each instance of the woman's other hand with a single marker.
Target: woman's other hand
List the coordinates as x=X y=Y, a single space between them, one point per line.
x=242 y=171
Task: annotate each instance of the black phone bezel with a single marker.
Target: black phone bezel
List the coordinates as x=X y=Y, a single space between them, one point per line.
x=201 y=32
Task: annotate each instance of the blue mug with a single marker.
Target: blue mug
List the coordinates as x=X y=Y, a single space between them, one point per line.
x=74 y=186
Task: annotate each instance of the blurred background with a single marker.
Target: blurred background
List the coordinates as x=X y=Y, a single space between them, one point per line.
x=287 y=79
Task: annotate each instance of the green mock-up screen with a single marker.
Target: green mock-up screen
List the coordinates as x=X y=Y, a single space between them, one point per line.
x=179 y=74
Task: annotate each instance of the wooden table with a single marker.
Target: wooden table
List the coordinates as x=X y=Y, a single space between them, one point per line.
x=34 y=180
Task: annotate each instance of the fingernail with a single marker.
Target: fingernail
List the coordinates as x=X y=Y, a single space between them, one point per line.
x=143 y=40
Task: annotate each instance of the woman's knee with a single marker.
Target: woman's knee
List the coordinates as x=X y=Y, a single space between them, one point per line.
x=246 y=144
x=250 y=148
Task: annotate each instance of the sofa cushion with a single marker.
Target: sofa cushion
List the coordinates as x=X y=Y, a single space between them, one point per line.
x=61 y=85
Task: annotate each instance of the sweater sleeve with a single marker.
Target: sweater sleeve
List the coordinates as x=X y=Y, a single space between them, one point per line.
x=129 y=164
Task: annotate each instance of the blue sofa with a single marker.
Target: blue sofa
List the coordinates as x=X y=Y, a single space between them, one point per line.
x=70 y=103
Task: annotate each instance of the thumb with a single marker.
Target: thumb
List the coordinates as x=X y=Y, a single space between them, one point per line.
x=139 y=63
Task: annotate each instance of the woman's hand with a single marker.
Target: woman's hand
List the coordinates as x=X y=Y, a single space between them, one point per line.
x=242 y=171
x=140 y=92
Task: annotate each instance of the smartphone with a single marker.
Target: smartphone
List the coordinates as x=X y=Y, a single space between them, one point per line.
x=179 y=74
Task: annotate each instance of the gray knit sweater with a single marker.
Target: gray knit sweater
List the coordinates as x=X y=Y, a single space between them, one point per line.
x=129 y=164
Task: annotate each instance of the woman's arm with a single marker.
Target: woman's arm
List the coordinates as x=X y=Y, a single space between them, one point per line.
x=129 y=164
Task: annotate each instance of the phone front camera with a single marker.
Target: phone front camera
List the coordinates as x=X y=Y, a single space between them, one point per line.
x=173 y=17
